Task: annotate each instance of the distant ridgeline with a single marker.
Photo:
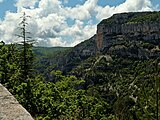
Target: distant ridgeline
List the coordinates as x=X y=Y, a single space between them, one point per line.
x=137 y=26
x=135 y=34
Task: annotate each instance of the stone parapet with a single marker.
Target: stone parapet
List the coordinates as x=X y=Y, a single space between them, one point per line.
x=10 y=109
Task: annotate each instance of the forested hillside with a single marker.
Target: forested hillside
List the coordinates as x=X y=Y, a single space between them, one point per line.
x=49 y=58
x=114 y=75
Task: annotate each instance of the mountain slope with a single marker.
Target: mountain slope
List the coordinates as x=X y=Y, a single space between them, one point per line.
x=49 y=58
x=125 y=70
x=125 y=35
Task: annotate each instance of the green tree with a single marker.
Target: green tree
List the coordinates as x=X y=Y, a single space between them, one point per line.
x=8 y=64
x=26 y=51
x=25 y=73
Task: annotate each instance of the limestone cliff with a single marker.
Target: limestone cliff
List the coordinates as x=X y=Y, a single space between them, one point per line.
x=134 y=26
x=10 y=109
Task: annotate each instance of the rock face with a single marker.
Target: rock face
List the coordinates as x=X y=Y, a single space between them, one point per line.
x=10 y=109
x=135 y=26
x=86 y=48
x=79 y=53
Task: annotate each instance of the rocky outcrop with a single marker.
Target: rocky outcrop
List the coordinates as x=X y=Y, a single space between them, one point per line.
x=128 y=25
x=79 y=53
x=10 y=109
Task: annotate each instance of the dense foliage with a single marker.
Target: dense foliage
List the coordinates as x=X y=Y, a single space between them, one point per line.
x=128 y=85
x=114 y=88
x=44 y=59
x=47 y=100
x=152 y=17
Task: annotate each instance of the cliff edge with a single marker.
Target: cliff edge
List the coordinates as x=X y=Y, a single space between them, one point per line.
x=136 y=26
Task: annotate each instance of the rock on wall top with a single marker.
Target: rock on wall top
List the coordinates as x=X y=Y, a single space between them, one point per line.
x=10 y=109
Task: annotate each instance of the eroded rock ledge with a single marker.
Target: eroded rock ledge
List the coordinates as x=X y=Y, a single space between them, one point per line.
x=10 y=109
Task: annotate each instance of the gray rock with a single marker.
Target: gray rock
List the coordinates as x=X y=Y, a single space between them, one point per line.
x=109 y=29
x=10 y=109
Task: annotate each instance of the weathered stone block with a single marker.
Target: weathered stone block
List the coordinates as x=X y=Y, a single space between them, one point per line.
x=10 y=109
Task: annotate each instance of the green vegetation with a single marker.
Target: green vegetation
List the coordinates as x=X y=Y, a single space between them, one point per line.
x=50 y=52
x=150 y=17
x=107 y=89
x=108 y=21
x=127 y=85
x=47 y=100
x=44 y=59
x=132 y=18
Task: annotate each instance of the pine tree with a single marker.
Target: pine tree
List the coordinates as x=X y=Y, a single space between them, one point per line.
x=26 y=59
x=26 y=52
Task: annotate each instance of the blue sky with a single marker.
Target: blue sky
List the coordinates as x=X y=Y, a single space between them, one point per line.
x=9 y=5
x=63 y=22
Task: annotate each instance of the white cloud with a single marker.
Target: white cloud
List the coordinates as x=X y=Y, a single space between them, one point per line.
x=49 y=6
x=50 y=42
x=49 y=25
x=26 y=3
x=81 y=12
x=8 y=26
x=57 y=42
x=78 y=32
x=1 y=1
x=127 y=6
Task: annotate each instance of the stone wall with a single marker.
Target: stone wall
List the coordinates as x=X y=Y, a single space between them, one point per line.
x=10 y=109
